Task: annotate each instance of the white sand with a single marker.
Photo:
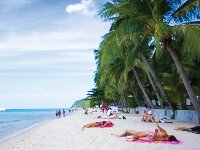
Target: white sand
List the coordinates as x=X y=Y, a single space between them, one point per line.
x=65 y=134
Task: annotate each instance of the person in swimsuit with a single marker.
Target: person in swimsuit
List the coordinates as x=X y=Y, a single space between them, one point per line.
x=100 y=124
x=158 y=135
x=195 y=129
x=114 y=116
x=150 y=117
x=144 y=116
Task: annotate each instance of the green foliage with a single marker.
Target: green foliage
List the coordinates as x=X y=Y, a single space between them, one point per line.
x=86 y=103
x=94 y=103
x=146 y=28
x=81 y=103
x=131 y=102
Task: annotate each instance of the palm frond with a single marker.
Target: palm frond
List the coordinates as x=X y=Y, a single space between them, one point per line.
x=188 y=11
x=191 y=37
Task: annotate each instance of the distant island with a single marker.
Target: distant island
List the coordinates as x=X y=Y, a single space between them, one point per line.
x=85 y=103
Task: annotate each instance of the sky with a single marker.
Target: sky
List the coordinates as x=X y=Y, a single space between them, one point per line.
x=46 y=51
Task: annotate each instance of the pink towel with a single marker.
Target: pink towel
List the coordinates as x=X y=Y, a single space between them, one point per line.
x=147 y=141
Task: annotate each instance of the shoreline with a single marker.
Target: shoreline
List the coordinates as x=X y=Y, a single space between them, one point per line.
x=8 y=143
x=65 y=133
x=15 y=130
x=21 y=131
x=22 y=120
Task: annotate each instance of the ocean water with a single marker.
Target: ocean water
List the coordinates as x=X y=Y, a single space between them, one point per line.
x=15 y=121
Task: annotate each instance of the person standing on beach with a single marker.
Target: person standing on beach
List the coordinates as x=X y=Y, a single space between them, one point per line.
x=63 y=113
x=56 y=113
x=86 y=111
x=59 y=113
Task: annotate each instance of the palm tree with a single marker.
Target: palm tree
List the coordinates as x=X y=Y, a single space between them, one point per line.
x=114 y=59
x=155 y=22
x=169 y=36
x=143 y=89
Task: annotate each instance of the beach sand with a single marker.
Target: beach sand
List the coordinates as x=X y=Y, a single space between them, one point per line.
x=66 y=134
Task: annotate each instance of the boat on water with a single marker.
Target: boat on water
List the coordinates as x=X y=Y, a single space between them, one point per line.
x=2 y=109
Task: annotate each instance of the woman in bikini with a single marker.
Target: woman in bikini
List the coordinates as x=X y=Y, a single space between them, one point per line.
x=158 y=135
x=100 y=124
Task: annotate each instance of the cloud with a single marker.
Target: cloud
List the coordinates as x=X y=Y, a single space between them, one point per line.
x=50 y=41
x=45 y=49
x=12 y=4
x=63 y=32
x=85 y=37
x=60 y=75
x=47 y=61
x=85 y=7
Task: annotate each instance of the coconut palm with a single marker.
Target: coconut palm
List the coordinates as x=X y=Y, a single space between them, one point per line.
x=113 y=60
x=156 y=18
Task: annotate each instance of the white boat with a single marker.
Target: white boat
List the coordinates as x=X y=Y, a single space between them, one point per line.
x=2 y=109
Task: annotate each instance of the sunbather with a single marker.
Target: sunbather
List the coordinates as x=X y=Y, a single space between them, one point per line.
x=158 y=135
x=144 y=116
x=100 y=124
x=114 y=116
x=148 y=117
x=164 y=120
x=195 y=129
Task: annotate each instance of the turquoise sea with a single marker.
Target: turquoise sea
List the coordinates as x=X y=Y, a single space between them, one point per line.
x=15 y=121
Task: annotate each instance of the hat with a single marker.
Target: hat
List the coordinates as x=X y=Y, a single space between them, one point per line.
x=150 y=112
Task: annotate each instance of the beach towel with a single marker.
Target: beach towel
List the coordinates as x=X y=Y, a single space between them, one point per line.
x=110 y=124
x=147 y=141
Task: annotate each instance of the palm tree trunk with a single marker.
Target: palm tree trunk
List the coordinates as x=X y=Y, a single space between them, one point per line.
x=121 y=101
x=171 y=50
x=124 y=103
x=143 y=90
x=137 y=101
x=114 y=100
x=151 y=71
x=154 y=87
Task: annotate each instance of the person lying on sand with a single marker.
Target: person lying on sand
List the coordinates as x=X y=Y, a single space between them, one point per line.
x=114 y=116
x=195 y=129
x=158 y=134
x=164 y=120
x=111 y=117
x=100 y=124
